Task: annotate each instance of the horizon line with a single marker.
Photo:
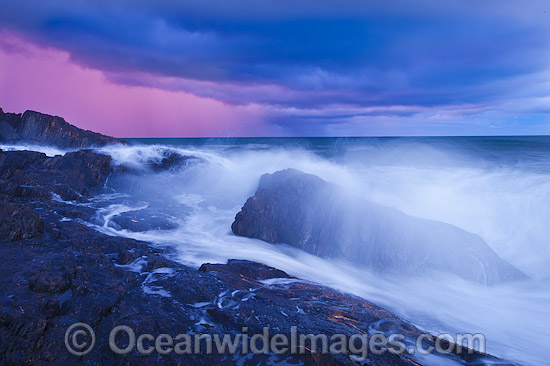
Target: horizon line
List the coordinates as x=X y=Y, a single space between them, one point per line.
x=326 y=137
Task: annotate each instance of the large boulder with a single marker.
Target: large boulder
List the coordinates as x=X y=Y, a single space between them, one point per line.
x=45 y=129
x=304 y=211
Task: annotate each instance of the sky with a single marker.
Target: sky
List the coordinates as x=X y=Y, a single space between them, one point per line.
x=213 y=68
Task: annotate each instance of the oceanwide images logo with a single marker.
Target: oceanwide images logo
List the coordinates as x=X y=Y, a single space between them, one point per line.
x=80 y=340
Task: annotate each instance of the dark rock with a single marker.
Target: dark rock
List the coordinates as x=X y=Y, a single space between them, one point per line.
x=19 y=222
x=11 y=118
x=66 y=193
x=127 y=257
x=304 y=211
x=82 y=170
x=45 y=129
x=172 y=160
x=14 y=161
x=7 y=133
x=53 y=276
x=143 y=220
x=156 y=262
x=244 y=268
x=26 y=173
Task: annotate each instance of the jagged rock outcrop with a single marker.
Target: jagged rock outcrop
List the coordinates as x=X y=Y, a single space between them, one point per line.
x=304 y=211
x=172 y=160
x=44 y=129
x=33 y=174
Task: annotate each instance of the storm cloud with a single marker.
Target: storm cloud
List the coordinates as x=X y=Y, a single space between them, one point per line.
x=313 y=64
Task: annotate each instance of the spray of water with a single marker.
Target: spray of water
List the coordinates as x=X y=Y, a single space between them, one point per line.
x=502 y=196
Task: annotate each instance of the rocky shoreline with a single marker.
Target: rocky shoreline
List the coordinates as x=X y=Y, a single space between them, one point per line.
x=58 y=271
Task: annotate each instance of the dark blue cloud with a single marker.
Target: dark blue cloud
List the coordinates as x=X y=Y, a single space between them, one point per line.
x=357 y=53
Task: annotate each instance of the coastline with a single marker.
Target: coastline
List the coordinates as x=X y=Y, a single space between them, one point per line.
x=59 y=271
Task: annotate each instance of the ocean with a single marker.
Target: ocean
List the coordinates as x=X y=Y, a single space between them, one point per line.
x=495 y=187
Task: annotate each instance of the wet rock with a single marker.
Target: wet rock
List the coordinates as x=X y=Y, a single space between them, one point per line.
x=172 y=160
x=72 y=175
x=66 y=193
x=156 y=262
x=304 y=211
x=245 y=268
x=143 y=220
x=19 y=222
x=50 y=307
x=82 y=170
x=15 y=161
x=127 y=257
x=53 y=276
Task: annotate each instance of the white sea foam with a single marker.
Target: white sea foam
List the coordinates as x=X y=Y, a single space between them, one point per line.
x=508 y=205
x=48 y=150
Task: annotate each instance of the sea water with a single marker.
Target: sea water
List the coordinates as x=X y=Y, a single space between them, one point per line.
x=496 y=187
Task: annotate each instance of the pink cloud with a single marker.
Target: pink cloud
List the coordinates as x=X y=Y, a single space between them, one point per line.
x=47 y=80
